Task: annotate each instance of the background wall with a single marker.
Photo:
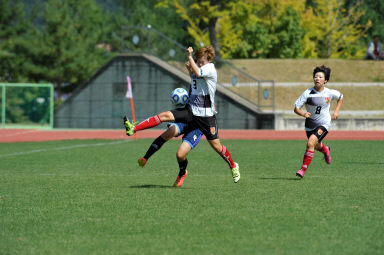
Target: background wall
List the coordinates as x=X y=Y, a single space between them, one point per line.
x=101 y=102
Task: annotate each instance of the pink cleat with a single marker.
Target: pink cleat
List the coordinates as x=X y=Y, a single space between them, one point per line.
x=300 y=173
x=142 y=162
x=327 y=156
x=180 y=180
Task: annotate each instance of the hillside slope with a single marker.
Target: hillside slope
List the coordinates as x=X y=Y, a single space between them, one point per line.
x=300 y=70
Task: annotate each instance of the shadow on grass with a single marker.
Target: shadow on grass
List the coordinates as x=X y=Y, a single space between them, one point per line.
x=151 y=186
x=281 y=178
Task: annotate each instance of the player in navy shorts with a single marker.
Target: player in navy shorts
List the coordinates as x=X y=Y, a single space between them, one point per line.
x=191 y=137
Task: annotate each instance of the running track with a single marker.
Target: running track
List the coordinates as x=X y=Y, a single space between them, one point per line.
x=36 y=135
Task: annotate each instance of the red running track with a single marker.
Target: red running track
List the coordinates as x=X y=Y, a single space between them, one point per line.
x=35 y=135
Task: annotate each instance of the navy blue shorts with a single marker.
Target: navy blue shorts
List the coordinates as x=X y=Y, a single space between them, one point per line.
x=191 y=136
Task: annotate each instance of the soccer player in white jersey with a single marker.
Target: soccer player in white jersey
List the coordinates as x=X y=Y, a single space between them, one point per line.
x=199 y=112
x=317 y=101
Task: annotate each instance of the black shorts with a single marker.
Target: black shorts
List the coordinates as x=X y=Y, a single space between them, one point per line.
x=183 y=115
x=207 y=125
x=319 y=132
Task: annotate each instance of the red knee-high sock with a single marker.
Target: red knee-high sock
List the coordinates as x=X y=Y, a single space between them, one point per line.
x=322 y=148
x=148 y=123
x=227 y=156
x=308 y=156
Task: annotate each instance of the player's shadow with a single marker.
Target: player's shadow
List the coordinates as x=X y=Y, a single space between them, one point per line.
x=151 y=186
x=281 y=178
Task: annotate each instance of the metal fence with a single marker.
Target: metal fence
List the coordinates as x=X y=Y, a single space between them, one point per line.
x=148 y=40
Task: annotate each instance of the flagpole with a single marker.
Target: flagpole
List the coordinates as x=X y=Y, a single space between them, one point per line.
x=133 y=115
x=129 y=95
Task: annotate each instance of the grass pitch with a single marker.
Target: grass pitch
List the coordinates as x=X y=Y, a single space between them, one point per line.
x=90 y=197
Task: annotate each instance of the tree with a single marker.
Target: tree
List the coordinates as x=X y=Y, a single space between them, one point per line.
x=332 y=30
x=373 y=12
x=267 y=29
x=287 y=36
x=202 y=17
x=66 y=51
x=14 y=27
x=143 y=13
x=246 y=36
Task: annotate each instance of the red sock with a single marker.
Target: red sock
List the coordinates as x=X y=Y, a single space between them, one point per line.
x=227 y=156
x=148 y=123
x=323 y=148
x=308 y=156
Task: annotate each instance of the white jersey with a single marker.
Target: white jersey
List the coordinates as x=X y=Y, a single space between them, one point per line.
x=318 y=103
x=203 y=88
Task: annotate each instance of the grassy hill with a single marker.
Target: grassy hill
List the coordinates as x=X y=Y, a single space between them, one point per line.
x=300 y=70
x=355 y=98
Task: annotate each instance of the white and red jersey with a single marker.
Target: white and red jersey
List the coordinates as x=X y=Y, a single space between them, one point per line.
x=318 y=103
x=203 y=88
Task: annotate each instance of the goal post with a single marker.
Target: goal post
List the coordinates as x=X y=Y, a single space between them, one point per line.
x=26 y=105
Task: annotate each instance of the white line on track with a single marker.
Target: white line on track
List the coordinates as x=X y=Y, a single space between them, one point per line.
x=62 y=148
x=19 y=133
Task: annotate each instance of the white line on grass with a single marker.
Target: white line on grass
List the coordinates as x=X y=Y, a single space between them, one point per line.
x=61 y=148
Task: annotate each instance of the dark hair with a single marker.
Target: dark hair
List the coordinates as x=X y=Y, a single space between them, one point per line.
x=323 y=69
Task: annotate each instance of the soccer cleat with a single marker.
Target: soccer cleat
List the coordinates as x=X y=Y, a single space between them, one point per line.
x=179 y=181
x=142 y=162
x=327 y=156
x=129 y=127
x=236 y=173
x=300 y=173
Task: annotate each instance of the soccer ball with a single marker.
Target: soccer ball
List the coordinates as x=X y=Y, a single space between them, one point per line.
x=179 y=97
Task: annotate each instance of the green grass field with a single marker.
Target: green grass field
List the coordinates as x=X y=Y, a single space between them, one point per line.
x=90 y=197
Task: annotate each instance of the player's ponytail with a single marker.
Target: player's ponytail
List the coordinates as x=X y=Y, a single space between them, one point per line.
x=210 y=53
x=207 y=51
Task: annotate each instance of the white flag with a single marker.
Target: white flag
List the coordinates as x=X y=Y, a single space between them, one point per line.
x=129 y=89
